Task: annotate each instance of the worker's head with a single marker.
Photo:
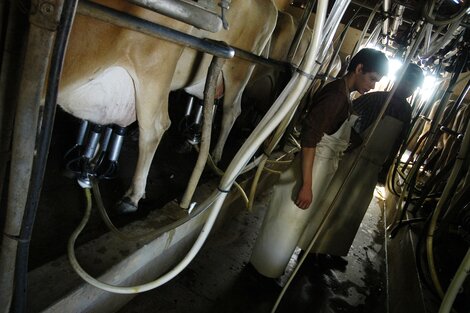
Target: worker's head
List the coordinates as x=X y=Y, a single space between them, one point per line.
x=367 y=67
x=412 y=79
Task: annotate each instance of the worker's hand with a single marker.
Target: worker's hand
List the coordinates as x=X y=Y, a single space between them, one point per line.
x=304 y=197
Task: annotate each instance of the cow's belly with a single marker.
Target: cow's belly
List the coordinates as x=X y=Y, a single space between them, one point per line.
x=107 y=98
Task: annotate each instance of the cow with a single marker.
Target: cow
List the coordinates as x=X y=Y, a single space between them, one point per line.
x=267 y=81
x=113 y=75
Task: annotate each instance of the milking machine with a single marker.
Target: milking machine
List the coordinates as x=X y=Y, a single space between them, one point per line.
x=96 y=152
x=190 y=125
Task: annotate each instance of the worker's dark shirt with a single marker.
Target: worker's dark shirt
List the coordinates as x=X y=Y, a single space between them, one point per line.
x=369 y=105
x=368 y=108
x=330 y=108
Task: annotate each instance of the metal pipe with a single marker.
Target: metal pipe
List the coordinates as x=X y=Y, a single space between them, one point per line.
x=186 y=12
x=189 y=106
x=362 y=5
x=342 y=37
x=198 y=115
x=300 y=30
x=134 y=23
x=427 y=38
x=386 y=8
x=366 y=27
x=374 y=36
x=397 y=20
x=242 y=54
x=454 y=30
x=215 y=48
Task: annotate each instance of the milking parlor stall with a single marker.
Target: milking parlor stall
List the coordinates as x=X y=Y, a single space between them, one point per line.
x=136 y=133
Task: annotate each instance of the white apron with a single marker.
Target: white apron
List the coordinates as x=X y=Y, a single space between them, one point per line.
x=284 y=222
x=353 y=200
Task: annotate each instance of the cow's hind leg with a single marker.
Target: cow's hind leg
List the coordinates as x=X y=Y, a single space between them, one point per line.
x=235 y=79
x=152 y=126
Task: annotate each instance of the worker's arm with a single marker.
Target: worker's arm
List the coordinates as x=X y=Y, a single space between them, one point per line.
x=304 y=197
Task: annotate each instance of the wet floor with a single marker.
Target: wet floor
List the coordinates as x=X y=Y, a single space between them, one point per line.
x=220 y=279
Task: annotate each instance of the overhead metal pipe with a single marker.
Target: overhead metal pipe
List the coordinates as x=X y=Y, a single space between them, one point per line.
x=435 y=45
x=397 y=20
x=186 y=12
x=386 y=9
x=140 y=25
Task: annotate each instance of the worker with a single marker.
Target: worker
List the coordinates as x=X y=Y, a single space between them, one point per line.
x=324 y=137
x=351 y=189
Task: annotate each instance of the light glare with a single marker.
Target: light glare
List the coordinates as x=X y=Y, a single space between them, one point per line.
x=428 y=87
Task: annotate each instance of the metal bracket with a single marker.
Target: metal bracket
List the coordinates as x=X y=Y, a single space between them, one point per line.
x=46 y=14
x=224 y=6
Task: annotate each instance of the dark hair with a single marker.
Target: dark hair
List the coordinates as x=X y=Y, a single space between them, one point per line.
x=372 y=61
x=414 y=73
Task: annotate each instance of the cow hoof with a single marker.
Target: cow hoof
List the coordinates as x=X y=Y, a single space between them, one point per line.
x=125 y=206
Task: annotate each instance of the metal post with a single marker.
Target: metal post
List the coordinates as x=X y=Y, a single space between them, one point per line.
x=209 y=93
x=44 y=20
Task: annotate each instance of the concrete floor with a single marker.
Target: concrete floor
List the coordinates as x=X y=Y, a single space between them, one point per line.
x=220 y=279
